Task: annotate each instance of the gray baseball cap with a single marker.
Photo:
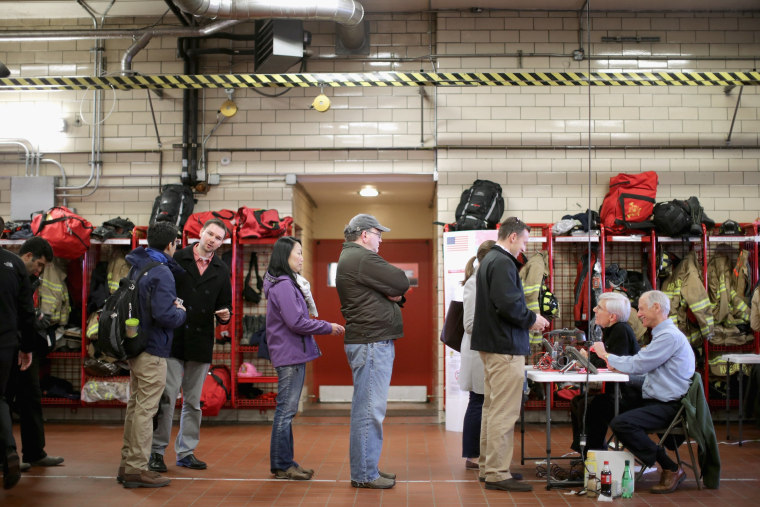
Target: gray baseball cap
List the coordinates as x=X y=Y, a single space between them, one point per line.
x=363 y=222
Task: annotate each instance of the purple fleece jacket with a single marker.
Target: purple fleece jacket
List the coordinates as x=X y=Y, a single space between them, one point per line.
x=289 y=327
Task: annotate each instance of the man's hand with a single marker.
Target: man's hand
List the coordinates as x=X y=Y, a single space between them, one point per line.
x=598 y=347
x=337 y=329
x=540 y=324
x=223 y=314
x=24 y=359
x=395 y=299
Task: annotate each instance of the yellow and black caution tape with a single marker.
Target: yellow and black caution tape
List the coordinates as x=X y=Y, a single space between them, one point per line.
x=379 y=79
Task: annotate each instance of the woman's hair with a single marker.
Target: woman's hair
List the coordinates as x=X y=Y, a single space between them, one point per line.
x=483 y=249
x=278 y=262
x=616 y=304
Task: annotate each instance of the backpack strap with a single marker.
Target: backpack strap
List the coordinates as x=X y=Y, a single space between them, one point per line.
x=219 y=381
x=253 y=266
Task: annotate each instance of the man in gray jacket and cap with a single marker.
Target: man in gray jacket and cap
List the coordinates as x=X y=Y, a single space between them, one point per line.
x=371 y=291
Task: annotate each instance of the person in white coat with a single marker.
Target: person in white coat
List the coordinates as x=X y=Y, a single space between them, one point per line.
x=471 y=374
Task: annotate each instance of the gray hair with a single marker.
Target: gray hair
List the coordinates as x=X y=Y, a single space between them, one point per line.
x=616 y=304
x=659 y=297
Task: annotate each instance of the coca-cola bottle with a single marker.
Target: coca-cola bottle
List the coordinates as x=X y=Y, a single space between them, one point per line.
x=606 y=478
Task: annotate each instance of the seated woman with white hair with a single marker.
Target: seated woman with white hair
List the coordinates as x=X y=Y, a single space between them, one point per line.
x=612 y=311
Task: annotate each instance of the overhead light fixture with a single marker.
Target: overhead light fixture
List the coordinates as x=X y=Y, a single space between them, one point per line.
x=369 y=191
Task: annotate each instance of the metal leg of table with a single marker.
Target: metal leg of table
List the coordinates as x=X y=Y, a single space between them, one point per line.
x=728 y=399
x=547 y=387
x=741 y=415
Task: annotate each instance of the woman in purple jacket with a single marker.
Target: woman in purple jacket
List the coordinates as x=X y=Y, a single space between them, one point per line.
x=291 y=346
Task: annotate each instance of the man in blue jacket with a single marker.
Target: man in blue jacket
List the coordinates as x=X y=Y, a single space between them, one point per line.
x=160 y=312
x=500 y=334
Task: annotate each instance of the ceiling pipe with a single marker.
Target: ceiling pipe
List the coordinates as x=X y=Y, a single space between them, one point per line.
x=146 y=36
x=345 y=12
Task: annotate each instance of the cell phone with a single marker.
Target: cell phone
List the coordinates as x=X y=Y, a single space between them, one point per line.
x=180 y=301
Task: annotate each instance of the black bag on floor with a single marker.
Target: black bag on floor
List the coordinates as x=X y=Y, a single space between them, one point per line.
x=480 y=206
x=174 y=204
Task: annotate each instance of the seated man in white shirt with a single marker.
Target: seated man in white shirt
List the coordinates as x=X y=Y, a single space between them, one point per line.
x=668 y=365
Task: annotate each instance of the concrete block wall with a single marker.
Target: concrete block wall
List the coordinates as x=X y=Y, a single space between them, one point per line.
x=552 y=148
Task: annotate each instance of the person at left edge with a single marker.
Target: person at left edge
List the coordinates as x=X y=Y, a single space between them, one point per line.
x=291 y=346
x=24 y=392
x=17 y=336
x=206 y=292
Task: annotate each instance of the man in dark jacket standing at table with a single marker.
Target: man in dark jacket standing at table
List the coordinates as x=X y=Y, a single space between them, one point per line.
x=160 y=313
x=206 y=291
x=370 y=291
x=500 y=334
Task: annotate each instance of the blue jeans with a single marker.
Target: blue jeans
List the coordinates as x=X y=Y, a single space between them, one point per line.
x=371 y=366
x=289 y=385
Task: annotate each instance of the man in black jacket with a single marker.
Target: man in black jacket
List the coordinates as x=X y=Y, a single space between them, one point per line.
x=500 y=334
x=206 y=292
x=24 y=391
x=16 y=320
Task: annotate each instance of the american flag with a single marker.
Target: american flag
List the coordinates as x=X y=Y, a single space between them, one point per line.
x=457 y=243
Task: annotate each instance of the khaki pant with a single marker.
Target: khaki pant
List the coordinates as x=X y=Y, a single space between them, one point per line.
x=147 y=379
x=504 y=378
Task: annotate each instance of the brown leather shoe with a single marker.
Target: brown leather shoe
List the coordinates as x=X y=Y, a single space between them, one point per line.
x=669 y=481
x=145 y=479
x=509 y=485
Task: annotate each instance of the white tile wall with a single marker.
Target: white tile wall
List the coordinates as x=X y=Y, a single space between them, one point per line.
x=525 y=138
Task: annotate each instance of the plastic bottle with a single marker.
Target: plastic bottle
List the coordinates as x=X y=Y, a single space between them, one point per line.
x=591 y=485
x=606 y=477
x=626 y=483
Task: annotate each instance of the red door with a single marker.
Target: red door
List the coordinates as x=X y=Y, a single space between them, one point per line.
x=414 y=352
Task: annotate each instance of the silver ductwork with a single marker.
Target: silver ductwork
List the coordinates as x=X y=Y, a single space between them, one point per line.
x=344 y=12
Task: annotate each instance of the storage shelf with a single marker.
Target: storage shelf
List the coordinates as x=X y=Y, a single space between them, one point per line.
x=59 y=401
x=257 y=380
x=264 y=404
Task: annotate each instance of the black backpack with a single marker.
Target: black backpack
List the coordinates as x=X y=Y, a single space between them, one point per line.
x=672 y=218
x=174 y=204
x=480 y=206
x=123 y=304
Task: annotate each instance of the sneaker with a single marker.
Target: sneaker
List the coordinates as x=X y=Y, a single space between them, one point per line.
x=190 y=461
x=293 y=474
x=387 y=475
x=145 y=479
x=120 y=475
x=47 y=461
x=25 y=467
x=379 y=483
x=307 y=471
x=156 y=463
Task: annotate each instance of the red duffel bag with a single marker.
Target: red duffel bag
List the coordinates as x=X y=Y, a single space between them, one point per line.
x=195 y=221
x=261 y=223
x=67 y=232
x=216 y=390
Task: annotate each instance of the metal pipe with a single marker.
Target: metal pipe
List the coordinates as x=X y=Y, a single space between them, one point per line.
x=345 y=12
x=146 y=36
x=736 y=110
x=27 y=148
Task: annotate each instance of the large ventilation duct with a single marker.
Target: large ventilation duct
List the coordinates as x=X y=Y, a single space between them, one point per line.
x=345 y=12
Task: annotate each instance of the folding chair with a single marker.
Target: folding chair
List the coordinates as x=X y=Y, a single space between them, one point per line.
x=678 y=427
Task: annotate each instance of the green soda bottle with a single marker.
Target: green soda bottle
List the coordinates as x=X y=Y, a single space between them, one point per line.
x=627 y=483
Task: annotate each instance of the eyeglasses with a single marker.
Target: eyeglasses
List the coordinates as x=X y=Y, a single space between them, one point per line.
x=378 y=234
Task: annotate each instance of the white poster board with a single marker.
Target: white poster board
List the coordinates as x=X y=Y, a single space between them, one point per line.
x=458 y=248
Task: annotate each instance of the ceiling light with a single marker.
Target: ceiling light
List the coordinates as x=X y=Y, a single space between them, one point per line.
x=369 y=191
